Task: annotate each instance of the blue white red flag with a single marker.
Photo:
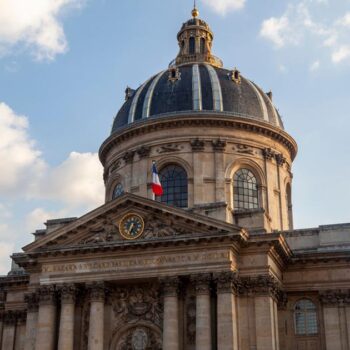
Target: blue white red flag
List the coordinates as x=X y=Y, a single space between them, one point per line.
x=156 y=185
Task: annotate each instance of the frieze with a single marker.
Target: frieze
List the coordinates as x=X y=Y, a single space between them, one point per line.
x=116 y=265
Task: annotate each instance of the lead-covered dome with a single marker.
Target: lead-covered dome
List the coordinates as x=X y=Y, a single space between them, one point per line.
x=196 y=83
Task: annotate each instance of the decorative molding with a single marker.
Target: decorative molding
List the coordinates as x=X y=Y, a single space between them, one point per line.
x=243 y=149
x=280 y=159
x=197 y=145
x=201 y=283
x=47 y=295
x=129 y=157
x=268 y=153
x=67 y=293
x=170 y=286
x=108 y=232
x=169 y=148
x=219 y=145
x=32 y=301
x=143 y=152
x=97 y=291
x=157 y=229
x=334 y=298
x=226 y=282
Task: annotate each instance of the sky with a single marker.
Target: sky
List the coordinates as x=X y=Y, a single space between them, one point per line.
x=64 y=66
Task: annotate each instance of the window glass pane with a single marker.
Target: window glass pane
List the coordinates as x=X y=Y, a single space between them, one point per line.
x=245 y=190
x=175 y=189
x=305 y=317
x=118 y=191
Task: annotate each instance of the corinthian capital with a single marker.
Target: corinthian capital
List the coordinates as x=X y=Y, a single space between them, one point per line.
x=201 y=283
x=67 y=293
x=97 y=291
x=47 y=295
x=170 y=286
x=226 y=282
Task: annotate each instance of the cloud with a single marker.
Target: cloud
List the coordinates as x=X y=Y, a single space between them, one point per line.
x=76 y=182
x=297 y=25
x=224 y=6
x=35 y=25
x=20 y=158
x=315 y=66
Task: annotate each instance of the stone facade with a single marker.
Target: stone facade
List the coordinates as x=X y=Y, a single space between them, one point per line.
x=206 y=277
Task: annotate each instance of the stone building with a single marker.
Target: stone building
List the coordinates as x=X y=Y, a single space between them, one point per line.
x=214 y=263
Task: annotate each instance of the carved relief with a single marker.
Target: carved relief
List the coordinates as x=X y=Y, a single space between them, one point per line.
x=144 y=151
x=108 y=232
x=169 y=148
x=157 y=229
x=280 y=159
x=268 y=153
x=243 y=149
x=129 y=157
x=135 y=304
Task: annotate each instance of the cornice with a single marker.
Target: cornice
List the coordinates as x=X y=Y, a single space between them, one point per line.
x=199 y=119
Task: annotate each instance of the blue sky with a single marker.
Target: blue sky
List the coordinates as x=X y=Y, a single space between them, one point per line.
x=64 y=66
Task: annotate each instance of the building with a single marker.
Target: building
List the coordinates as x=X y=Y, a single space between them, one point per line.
x=214 y=263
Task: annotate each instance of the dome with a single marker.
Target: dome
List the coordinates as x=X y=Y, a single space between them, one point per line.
x=195 y=88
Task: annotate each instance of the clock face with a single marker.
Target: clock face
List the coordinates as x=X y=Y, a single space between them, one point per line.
x=131 y=226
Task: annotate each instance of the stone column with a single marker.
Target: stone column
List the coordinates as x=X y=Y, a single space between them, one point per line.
x=219 y=147
x=66 y=332
x=45 y=337
x=97 y=304
x=227 y=331
x=203 y=312
x=32 y=319
x=9 y=331
x=265 y=289
x=171 y=314
x=20 y=338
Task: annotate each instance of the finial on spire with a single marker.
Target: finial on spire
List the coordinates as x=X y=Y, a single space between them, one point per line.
x=195 y=12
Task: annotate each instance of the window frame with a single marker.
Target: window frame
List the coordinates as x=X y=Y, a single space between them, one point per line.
x=305 y=312
x=241 y=191
x=183 y=183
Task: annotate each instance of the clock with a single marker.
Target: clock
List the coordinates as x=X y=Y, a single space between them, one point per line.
x=131 y=226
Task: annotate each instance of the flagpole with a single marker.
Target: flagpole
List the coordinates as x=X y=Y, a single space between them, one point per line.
x=153 y=194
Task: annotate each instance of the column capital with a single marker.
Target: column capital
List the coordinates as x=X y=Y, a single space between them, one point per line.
x=334 y=298
x=219 y=145
x=47 y=295
x=97 y=291
x=226 y=282
x=67 y=293
x=32 y=300
x=170 y=286
x=201 y=283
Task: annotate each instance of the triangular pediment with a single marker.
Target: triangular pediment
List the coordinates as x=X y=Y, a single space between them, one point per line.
x=161 y=222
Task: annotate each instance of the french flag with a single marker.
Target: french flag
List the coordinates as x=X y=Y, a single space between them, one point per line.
x=156 y=185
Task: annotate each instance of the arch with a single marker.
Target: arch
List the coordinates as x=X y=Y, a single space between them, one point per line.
x=305 y=318
x=174 y=180
x=192 y=46
x=111 y=185
x=169 y=159
x=119 y=332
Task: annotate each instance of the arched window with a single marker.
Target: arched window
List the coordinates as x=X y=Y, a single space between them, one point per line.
x=245 y=190
x=202 y=45
x=192 y=46
x=305 y=318
x=175 y=188
x=118 y=191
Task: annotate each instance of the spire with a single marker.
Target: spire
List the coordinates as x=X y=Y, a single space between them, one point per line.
x=195 y=12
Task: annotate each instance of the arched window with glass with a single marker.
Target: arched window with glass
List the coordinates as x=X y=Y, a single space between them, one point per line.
x=202 y=45
x=245 y=190
x=118 y=191
x=305 y=318
x=192 y=45
x=175 y=186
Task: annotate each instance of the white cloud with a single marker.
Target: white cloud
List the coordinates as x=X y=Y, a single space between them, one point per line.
x=34 y=24
x=76 y=182
x=315 y=66
x=224 y=6
x=6 y=249
x=297 y=24
x=20 y=158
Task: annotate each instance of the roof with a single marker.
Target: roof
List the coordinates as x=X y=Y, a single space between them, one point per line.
x=192 y=88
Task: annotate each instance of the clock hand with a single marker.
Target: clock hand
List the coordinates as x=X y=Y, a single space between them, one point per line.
x=130 y=228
